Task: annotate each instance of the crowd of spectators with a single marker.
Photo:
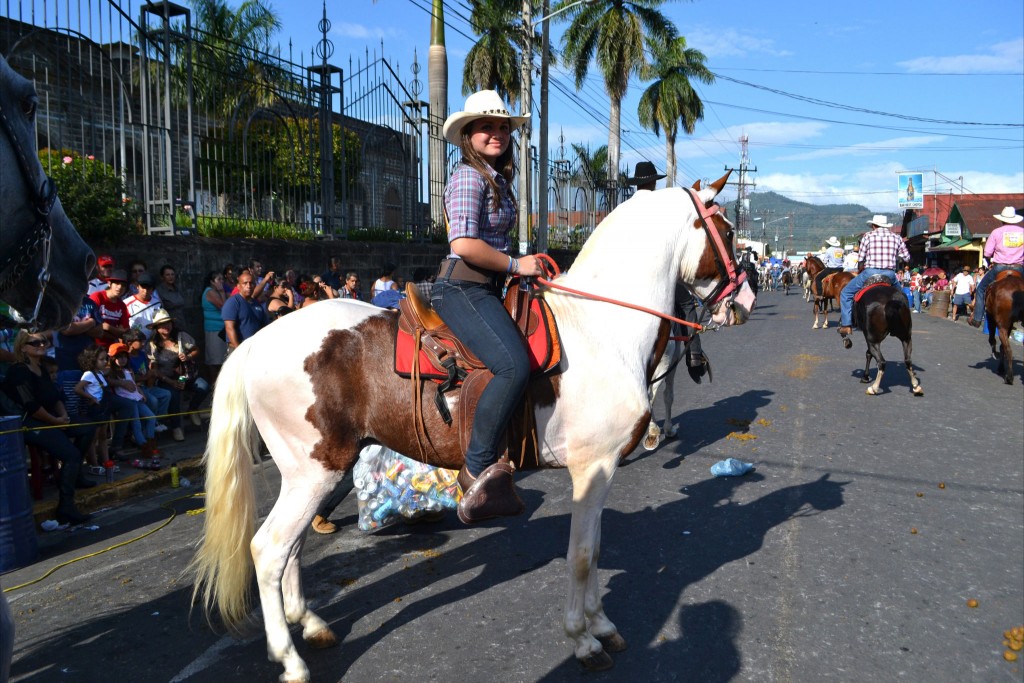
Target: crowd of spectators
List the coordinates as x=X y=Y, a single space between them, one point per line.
x=127 y=369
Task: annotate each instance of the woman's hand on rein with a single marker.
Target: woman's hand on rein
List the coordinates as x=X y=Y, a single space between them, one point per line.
x=529 y=266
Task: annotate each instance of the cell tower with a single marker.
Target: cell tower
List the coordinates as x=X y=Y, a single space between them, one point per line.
x=743 y=186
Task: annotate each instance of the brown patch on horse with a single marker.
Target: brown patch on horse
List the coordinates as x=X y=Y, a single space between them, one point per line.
x=660 y=344
x=707 y=267
x=639 y=431
x=1004 y=306
x=358 y=399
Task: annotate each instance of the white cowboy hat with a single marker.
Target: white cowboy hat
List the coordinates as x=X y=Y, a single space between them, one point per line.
x=833 y=242
x=880 y=221
x=479 y=105
x=162 y=317
x=1009 y=215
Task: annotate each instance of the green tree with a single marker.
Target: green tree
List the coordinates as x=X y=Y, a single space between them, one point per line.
x=671 y=100
x=613 y=32
x=92 y=195
x=232 y=56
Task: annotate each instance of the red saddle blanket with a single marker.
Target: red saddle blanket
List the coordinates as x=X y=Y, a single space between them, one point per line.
x=872 y=285
x=542 y=344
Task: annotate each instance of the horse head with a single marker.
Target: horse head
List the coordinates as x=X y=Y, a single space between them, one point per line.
x=718 y=279
x=45 y=265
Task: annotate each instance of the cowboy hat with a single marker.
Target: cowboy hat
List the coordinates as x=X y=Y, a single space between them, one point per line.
x=162 y=317
x=833 y=242
x=117 y=276
x=880 y=221
x=1009 y=215
x=480 y=105
x=644 y=173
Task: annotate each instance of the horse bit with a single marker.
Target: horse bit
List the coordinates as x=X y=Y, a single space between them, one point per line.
x=40 y=234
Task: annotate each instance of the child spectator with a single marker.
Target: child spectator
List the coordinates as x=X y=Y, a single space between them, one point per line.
x=158 y=399
x=129 y=405
x=94 y=392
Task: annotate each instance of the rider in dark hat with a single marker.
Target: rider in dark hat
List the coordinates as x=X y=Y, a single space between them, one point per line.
x=645 y=176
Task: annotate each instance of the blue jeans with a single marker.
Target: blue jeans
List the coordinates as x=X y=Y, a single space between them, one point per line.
x=67 y=445
x=917 y=300
x=979 y=292
x=199 y=388
x=475 y=313
x=850 y=290
x=128 y=413
x=158 y=399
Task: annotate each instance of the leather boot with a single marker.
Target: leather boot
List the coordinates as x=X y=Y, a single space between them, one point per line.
x=492 y=494
x=67 y=513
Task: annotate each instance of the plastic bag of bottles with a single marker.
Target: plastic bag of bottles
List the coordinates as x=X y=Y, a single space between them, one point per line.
x=390 y=486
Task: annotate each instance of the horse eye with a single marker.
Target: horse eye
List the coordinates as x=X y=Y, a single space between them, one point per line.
x=28 y=107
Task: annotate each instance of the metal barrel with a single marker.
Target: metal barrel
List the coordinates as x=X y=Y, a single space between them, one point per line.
x=18 y=543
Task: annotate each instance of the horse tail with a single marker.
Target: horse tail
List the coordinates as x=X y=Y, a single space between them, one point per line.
x=223 y=565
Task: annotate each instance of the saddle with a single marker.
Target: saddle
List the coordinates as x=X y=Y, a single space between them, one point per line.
x=870 y=283
x=427 y=349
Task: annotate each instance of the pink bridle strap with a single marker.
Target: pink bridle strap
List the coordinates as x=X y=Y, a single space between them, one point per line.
x=732 y=279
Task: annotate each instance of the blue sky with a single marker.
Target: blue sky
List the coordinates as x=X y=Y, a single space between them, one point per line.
x=831 y=95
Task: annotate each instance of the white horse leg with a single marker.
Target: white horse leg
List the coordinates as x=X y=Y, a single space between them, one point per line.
x=590 y=489
x=601 y=626
x=277 y=543
x=315 y=630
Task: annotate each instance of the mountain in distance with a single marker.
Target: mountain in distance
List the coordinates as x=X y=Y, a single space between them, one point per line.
x=812 y=223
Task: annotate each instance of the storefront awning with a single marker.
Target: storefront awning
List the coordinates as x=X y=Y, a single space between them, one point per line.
x=958 y=245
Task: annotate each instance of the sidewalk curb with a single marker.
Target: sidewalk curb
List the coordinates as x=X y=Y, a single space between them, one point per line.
x=88 y=500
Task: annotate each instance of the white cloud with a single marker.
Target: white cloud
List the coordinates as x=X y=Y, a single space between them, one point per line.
x=864 y=148
x=716 y=42
x=1001 y=57
x=362 y=31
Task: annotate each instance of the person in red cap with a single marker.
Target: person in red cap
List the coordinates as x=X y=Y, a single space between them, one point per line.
x=104 y=267
x=113 y=314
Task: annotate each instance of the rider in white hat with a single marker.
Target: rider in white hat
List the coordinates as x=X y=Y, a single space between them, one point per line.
x=832 y=260
x=1004 y=250
x=880 y=249
x=480 y=213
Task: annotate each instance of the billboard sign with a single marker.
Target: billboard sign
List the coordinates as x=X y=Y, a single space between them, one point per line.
x=909 y=190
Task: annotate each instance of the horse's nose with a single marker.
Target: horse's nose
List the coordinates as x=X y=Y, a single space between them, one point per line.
x=740 y=314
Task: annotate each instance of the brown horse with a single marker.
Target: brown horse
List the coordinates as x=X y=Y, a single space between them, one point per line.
x=787 y=281
x=883 y=310
x=828 y=294
x=1004 y=306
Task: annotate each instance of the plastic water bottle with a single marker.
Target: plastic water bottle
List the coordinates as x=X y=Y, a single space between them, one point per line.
x=174 y=477
x=731 y=467
x=109 y=469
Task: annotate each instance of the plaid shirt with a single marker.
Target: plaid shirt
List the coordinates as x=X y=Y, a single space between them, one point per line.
x=880 y=248
x=470 y=212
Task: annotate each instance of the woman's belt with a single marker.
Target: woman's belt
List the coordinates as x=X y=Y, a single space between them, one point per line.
x=456 y=269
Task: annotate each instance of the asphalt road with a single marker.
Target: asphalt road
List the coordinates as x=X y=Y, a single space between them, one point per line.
x=808 y=569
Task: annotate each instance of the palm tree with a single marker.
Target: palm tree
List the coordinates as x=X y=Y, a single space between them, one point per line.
x=614 y=33
x=493 y=61
x=671 y=99
x=231 y=55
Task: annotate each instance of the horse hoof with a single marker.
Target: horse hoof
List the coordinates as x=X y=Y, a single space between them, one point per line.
x=612 y=642
x=651 y=442
x=814 y=326
x=322 y=640
x=865 y=380
x=598 y=661
x=847 y=343
x=870 y=391
x=918 y=391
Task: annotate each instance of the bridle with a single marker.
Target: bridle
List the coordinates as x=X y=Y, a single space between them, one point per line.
x=38 y=235
x=730 y=279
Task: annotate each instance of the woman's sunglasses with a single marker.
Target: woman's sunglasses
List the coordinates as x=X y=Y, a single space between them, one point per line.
x=38 y=342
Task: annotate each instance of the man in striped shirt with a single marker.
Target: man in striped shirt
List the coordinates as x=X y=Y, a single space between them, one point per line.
x=879 y=251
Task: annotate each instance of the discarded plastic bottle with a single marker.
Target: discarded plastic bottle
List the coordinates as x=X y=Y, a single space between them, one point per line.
x=731 y=467
x=174 y=477
x=108 y=466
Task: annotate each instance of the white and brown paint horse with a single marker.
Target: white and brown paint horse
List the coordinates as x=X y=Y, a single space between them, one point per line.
x=333 y=362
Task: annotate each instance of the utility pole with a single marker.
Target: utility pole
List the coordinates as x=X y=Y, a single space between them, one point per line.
x=743 y=185
x=524 y=133
x=542 y=182
x=437 y=76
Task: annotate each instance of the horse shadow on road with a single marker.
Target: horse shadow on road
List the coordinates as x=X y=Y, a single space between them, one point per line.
x=701 y=427
x=654 y=561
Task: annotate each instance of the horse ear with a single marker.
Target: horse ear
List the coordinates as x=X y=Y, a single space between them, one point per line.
x=720 y=183
x=696 y=185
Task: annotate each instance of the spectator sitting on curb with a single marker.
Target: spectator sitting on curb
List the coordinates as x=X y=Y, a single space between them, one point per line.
x=158 y=398
x=143 y=305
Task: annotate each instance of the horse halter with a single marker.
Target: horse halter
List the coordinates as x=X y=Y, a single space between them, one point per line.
x=38 y=235
x=730 y=279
